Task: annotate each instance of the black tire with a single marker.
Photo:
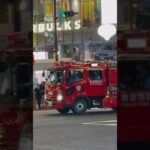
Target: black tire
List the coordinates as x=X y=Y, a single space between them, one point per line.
x=80 y=106
x=64 y=111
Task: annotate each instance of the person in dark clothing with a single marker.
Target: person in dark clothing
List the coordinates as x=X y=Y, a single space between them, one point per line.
x=42 y=88
x=38 y=96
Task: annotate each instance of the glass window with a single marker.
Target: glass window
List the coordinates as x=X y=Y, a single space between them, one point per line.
x=74 y=76
x=90 y=12
x=134 y=74
x=95 y=74
x=55 y=76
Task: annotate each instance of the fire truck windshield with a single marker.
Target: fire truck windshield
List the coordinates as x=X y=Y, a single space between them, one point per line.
x=55 y=76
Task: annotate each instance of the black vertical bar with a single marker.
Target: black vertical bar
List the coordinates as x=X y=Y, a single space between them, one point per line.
x=17 y=16
x=55 y=32
x=131 y=14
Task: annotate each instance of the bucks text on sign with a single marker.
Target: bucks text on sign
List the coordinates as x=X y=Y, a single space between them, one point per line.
x=49 y=27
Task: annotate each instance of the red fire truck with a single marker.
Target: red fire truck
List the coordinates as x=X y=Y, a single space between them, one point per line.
x=16 y=94
x=134 y=89
x=81 y=86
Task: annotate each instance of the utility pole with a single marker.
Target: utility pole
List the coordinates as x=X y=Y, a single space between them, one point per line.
x=55 y=33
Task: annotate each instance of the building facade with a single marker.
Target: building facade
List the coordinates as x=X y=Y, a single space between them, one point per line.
x=77 y=36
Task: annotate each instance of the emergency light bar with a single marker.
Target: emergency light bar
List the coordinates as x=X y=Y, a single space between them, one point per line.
x=94 y=65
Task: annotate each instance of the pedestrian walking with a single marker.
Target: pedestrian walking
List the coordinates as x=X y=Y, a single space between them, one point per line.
x=42 y=89
x=38 y=96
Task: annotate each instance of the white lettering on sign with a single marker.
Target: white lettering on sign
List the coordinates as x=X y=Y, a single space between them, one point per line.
x=59 y=27
x=77 y=24
x=135 y=99
x=35 y=29
x=41 y=27
x=95 y=82
x=67 y=25
x=136 y=43
x=49 y=27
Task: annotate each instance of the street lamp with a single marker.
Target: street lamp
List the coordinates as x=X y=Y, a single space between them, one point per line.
x=107 y=29
x=108 y=19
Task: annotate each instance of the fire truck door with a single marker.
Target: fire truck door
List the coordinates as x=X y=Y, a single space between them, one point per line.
x=75 y=83
x=96 y=84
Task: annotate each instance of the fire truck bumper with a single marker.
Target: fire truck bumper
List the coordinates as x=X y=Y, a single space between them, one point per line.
x=54 y=104
x=58 y=105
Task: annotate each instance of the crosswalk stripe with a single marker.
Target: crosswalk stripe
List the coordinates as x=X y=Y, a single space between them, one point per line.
x=106 y=122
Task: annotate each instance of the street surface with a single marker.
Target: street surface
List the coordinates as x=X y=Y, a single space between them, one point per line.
x=95 y=130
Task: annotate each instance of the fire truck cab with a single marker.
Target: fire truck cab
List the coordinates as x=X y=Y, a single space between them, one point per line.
x=134 y=89
x=16 y=94
x=80 y=86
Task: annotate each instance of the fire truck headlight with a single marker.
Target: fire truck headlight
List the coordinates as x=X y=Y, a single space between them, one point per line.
x=59 y=96
x=45 y=96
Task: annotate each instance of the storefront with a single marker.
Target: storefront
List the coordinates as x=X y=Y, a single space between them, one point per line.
x=77 y=35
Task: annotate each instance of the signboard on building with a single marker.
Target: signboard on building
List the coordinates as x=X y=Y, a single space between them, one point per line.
x=49 y=27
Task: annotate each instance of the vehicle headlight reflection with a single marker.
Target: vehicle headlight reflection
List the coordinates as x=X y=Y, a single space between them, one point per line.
x=59 y=96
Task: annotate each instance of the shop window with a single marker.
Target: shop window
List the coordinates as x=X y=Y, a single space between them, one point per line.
x=67 y=52
x=90 y=12
x=48 y=9
x=65 y=5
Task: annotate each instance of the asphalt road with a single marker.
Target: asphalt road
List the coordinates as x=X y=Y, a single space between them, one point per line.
x=95 y=130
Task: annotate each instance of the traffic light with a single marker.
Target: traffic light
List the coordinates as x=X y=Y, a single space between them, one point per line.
x=66 y=14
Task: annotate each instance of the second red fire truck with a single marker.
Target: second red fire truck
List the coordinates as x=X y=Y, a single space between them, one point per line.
x=81 y=86
x=16 y=94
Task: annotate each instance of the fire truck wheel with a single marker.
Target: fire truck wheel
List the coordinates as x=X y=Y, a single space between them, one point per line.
x=64 y=111
x=80 y=106
x=26 y=141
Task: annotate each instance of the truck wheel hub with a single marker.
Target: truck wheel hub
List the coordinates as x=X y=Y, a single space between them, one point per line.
x=80 y=106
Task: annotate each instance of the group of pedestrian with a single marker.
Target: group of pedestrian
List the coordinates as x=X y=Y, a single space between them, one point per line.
x=39 y=94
